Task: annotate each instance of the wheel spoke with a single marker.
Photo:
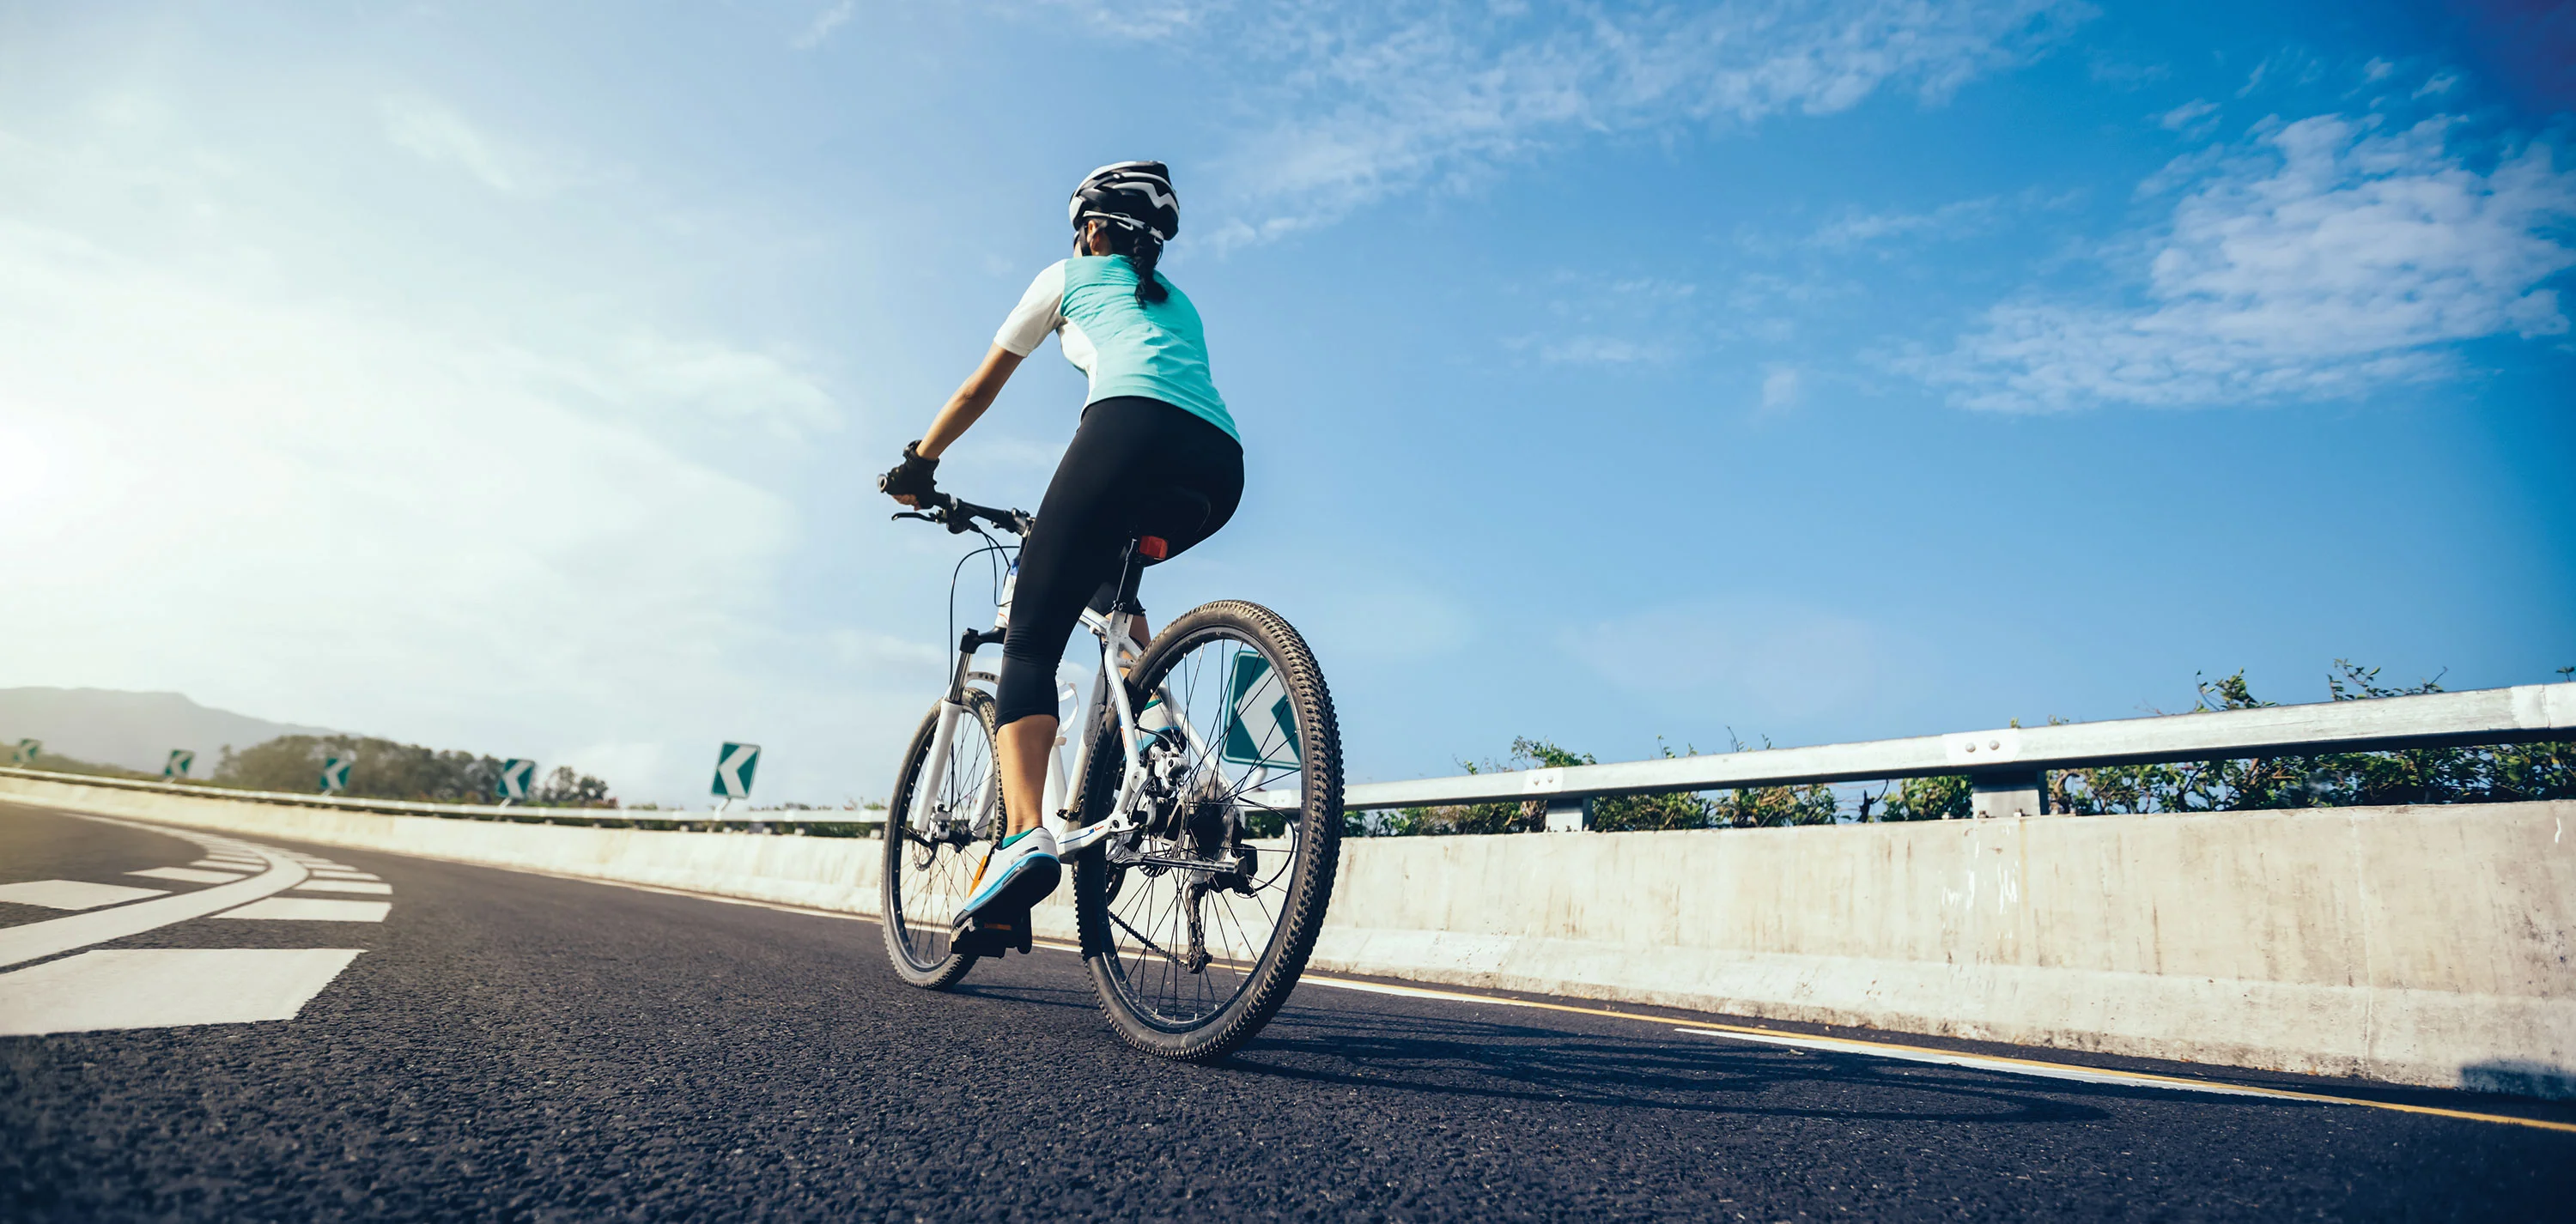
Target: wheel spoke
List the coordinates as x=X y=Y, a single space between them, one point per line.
x=1151 y=915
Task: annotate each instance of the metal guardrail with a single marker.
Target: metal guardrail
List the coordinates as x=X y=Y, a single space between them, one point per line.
x=2004 y=766
x=470 y=811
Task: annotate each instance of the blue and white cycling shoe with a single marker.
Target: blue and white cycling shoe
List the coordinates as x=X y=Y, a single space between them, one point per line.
x=1019 y=873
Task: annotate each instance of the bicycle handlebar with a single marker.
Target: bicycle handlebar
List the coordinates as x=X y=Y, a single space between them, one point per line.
x=959 y=515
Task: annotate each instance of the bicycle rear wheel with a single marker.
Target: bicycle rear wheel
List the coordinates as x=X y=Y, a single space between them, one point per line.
x=1197 y=922
x=938 y=832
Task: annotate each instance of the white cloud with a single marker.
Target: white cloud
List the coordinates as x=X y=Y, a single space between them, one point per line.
x=1752 y=660
x=393 y=502
x=719 y=380
x=915 y=658
x=436 y=133
x=2319 y=261
x=1143 y=20
x=2441 y=83
x=2186 y=115
x=1382 y=99
x=2290 y=63
x=1858 y=228
x=824 y=23
x=1594 y=350
x=1780 y=389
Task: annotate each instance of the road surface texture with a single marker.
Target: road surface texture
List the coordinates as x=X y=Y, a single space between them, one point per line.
x=498 y=1045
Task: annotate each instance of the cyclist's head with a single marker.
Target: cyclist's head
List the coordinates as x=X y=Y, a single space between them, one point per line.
x=1136 y=212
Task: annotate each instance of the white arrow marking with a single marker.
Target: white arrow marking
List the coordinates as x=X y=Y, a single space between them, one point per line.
x=729 y=770
x=56 y=935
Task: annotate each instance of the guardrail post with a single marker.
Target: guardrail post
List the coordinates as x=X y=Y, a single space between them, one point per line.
x=2005 y=794
x=1569 y=815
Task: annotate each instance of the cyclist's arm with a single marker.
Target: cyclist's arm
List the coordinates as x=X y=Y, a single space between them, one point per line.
x=972 y=398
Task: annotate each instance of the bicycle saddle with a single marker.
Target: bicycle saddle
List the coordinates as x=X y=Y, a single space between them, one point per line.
x=1171 y=513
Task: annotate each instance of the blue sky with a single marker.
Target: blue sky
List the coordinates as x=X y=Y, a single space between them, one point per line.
x=515 y=380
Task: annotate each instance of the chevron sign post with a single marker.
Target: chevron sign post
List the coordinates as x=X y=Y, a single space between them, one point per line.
x=335 y=775
x=25 y=752
x=515 y=776
x=177 y=766
x=1262 y=728
x=734 y=764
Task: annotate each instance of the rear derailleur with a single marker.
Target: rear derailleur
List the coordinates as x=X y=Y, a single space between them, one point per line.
x=1188 y=825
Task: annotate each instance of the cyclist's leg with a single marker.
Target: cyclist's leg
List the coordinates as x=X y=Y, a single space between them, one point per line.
x=1080 y=530
x=1190 y=454
x=1124 y=449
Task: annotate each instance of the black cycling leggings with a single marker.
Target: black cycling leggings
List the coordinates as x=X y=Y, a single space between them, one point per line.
x=1126 y=459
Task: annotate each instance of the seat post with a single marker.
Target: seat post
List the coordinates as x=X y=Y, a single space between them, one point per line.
x=1131 y=569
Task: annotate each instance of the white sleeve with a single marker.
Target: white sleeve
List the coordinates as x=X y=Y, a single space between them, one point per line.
x=1040 y=311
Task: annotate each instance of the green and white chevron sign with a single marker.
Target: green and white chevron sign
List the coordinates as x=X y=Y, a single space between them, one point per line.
x=515 y=776
x=177 y=765
x=1262 y=725
x=335 y=775
x=26 y=751
x=734 y=763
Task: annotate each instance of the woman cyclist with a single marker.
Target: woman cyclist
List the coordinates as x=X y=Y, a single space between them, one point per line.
x=1151 y=425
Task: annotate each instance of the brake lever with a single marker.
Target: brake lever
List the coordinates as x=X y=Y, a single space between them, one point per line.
x=913 y=514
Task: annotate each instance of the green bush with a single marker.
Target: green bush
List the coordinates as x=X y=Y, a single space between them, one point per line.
x=2496 y=773
x=383 y=769
x=1753 y=807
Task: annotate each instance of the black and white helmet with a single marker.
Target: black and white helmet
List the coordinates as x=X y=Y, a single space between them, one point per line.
x=1132 y=195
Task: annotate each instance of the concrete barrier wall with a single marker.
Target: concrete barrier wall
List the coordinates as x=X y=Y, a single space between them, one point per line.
x=2431 y=945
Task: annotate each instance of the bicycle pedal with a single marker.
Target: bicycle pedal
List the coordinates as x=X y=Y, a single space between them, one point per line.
x=991 y=934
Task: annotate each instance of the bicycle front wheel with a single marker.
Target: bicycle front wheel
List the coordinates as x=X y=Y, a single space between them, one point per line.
x=1197 y=921
x=938 y=832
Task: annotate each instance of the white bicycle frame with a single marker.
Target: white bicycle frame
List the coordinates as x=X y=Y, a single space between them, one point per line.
x=1118 y=649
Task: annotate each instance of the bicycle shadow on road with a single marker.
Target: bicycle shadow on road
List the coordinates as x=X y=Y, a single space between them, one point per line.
x=1453 y=1057
x=1077 y=996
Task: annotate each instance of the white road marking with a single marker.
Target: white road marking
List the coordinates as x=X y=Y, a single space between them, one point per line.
x=342 y=875
x=188 y=875
x=312 y=909
x=74 y=894
x=36 y=940
x=371 y=888
x=229 y=864
x=131 y=988
x=2008 y=1066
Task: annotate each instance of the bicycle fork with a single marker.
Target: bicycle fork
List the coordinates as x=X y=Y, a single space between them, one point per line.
x=943 y=740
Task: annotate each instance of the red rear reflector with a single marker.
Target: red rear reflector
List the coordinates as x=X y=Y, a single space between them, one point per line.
x=1154 y=546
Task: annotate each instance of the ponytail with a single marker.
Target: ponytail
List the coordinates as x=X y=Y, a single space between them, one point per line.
x=1143 y=250
x=1147 y=253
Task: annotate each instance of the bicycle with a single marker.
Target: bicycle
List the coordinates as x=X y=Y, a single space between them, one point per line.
x=1207 y=819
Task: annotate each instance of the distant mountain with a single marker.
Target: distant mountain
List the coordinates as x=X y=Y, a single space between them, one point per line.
x=135 y=730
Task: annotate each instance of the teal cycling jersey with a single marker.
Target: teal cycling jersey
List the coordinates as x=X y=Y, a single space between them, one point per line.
x=1126 y=347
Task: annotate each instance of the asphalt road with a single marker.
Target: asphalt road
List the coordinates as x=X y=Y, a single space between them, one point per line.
x=509 y=1046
